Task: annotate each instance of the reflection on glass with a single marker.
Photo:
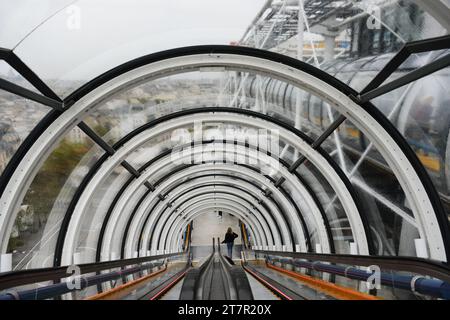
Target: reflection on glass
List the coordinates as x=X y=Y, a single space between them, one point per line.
x=89 y=229
x=18 y=117
x=354 y=29
x=393 y=228
x=337 y=219
x=36 y=228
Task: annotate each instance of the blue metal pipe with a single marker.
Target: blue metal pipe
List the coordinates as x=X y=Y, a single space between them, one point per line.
x=430 y=287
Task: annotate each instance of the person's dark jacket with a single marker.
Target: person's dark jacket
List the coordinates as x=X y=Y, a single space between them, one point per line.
x=229 y=237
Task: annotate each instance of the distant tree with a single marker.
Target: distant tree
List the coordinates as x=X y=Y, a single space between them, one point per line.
x=49 y=181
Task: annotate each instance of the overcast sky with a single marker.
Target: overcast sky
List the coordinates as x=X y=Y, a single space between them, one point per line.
x=109 y=32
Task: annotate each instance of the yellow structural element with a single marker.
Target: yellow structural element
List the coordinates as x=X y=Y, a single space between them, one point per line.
x=188 y=234
x=353 y=132
x=429 y=162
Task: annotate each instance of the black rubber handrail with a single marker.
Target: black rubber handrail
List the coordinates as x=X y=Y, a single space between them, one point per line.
x=192 y=278
x=239 y=279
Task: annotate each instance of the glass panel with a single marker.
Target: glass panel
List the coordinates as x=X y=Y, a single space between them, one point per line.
x=362 y=28
x=336 y=216
x=305 y=211
x=405 y=108
x=32 y=241
x=116 y=245
x=10 y=74
x=88 y=234
x=18 y=116
x=326 y=197
x=146 y=30
x=384 y=203
x=18 y=19
x=135 y=107
x=423 y=119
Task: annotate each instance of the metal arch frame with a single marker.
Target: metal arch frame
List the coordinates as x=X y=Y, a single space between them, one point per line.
x=256 y=190
x=265 y=209
x=225 y=182
x=205 y=205
x=229 y=180
x=227 y=188
x=199 y=189
x=144 y=127
x=142 y=178
x=262 y=208
x=275 y=208
x=286 y=231
x=112 y=227
x=193 y=203
x=219 y=191
x=209 y=109
x=320 y=225
x=252 y=187
x=120 y=198
x=309 y=202
x=235 y=111
x=432 y=218
x=201 y=206
x=176 y=238
x=139 y=237
x=166 y=230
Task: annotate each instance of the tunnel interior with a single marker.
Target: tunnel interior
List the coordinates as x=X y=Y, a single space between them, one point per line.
x=154 y=158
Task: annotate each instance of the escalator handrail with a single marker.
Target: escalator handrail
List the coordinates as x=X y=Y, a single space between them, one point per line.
x=240 y=286
x=200 y=281
x=189 y=288
x=226 y=268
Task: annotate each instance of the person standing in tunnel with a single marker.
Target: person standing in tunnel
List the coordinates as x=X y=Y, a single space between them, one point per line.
x=229 y=240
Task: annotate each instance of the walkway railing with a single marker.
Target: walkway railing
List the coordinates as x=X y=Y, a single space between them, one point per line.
x=428 y=277
x=58 y=275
